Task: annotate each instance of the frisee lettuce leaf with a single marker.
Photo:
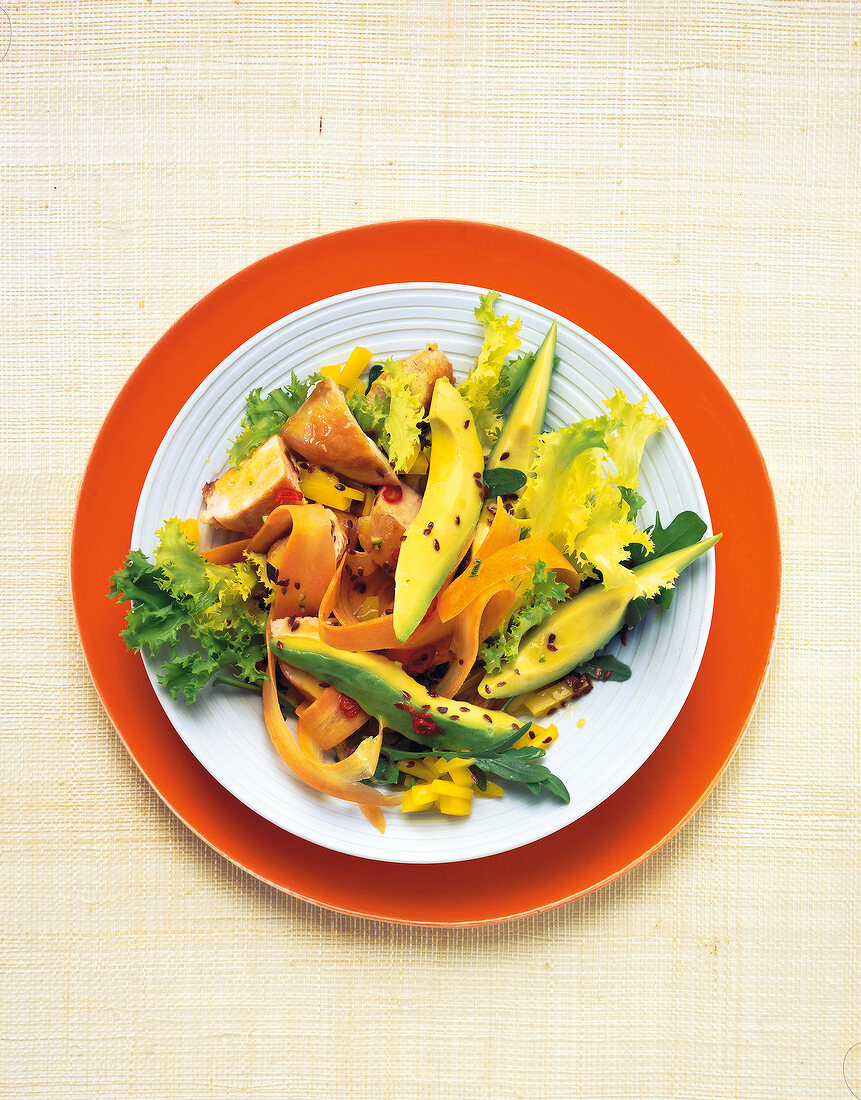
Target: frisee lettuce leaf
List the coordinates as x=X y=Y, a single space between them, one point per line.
x=392 y=417
x=199 y=618
x=265 y=416
x=541 y=599
x=487 y=387
x=581 y=493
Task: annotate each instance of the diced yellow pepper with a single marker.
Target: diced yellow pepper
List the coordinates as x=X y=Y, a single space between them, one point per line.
x=456 y=807
x=444 y=787
x=368 y=502
x=461 y=776
x=325 y=488
x=333 y=371
x=417 y=798
x=436 y=764
x=415 y=767
x=358 y=360
x=540 y=702
x=493 y=790
x=537 y=735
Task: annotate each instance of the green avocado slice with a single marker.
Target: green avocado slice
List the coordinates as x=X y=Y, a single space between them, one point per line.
x=585 y=624
x=513 y=448
x=385 y=691
x=434 y=541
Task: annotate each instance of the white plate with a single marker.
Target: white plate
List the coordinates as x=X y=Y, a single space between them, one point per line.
x=622 y=723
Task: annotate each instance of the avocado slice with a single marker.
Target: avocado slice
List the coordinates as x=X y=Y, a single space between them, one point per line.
x=433 y=542
x=585 y=624
x=385 y=691
x=513 y=448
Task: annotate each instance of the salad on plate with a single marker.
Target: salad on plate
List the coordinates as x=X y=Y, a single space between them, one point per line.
x=417 y=574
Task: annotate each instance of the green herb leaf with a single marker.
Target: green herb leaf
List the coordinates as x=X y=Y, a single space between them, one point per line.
x=373 y=374
x=501 y=482
x=598 y=667
x=633 y=499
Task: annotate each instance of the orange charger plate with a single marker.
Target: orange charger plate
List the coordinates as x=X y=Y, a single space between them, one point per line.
x=644 y=813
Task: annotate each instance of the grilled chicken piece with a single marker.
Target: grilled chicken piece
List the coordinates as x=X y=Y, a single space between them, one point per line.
x=325 y=432
x=380 y=531
x=426 y=366
x=239 y=499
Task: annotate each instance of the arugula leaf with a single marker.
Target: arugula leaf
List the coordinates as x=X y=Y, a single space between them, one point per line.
x=686 y=529
x=599 y=667
x=265 y=416
x=392 y=417
x=507 y=763
x=501 y=481
x=199 y=618
x=541 y=599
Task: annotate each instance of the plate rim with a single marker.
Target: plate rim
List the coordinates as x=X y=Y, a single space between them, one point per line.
x=420 y=852
x=401 y=249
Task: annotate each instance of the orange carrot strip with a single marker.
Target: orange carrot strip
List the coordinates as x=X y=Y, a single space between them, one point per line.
x=329 y=719
x=506 y=564
x=341 y=779
x=305 y=562
x=487 y=612
x=278 y=523
x=504 y=530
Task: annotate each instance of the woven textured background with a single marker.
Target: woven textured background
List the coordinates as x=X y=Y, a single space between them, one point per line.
x=707 y=153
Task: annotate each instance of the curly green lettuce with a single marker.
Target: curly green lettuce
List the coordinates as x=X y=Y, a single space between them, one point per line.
x=391 y=413
x=487 y=388
x=200 y=619
x=541 y=599
x=266 y=416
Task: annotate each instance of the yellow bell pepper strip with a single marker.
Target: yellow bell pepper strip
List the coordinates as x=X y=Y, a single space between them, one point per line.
x=331 y=718
x=416 y=768
x=455 y=807
x=418 y=797
x=452 y=790
x=326 y=488
x=543 y=736
x=542 y=701
x=342 y=779
x=492 y=790
x=356 y=363
x=459 y=772
x=505 y=564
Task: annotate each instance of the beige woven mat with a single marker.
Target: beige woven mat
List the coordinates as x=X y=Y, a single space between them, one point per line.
x=705 y=152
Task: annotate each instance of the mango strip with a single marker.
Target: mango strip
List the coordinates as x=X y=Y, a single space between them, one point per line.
x=278 y=523
x=327 y=720
x=487 y=612
x=505 y=564
x=305 y=563
x=342 y=779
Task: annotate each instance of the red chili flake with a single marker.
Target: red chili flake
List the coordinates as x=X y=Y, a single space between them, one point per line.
x=426 y=727
x=436 y=544
x=288 y=496
x=349 y=707
x=392 y=493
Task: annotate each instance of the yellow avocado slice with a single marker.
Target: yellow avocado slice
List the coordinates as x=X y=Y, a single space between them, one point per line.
x=434 y=540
